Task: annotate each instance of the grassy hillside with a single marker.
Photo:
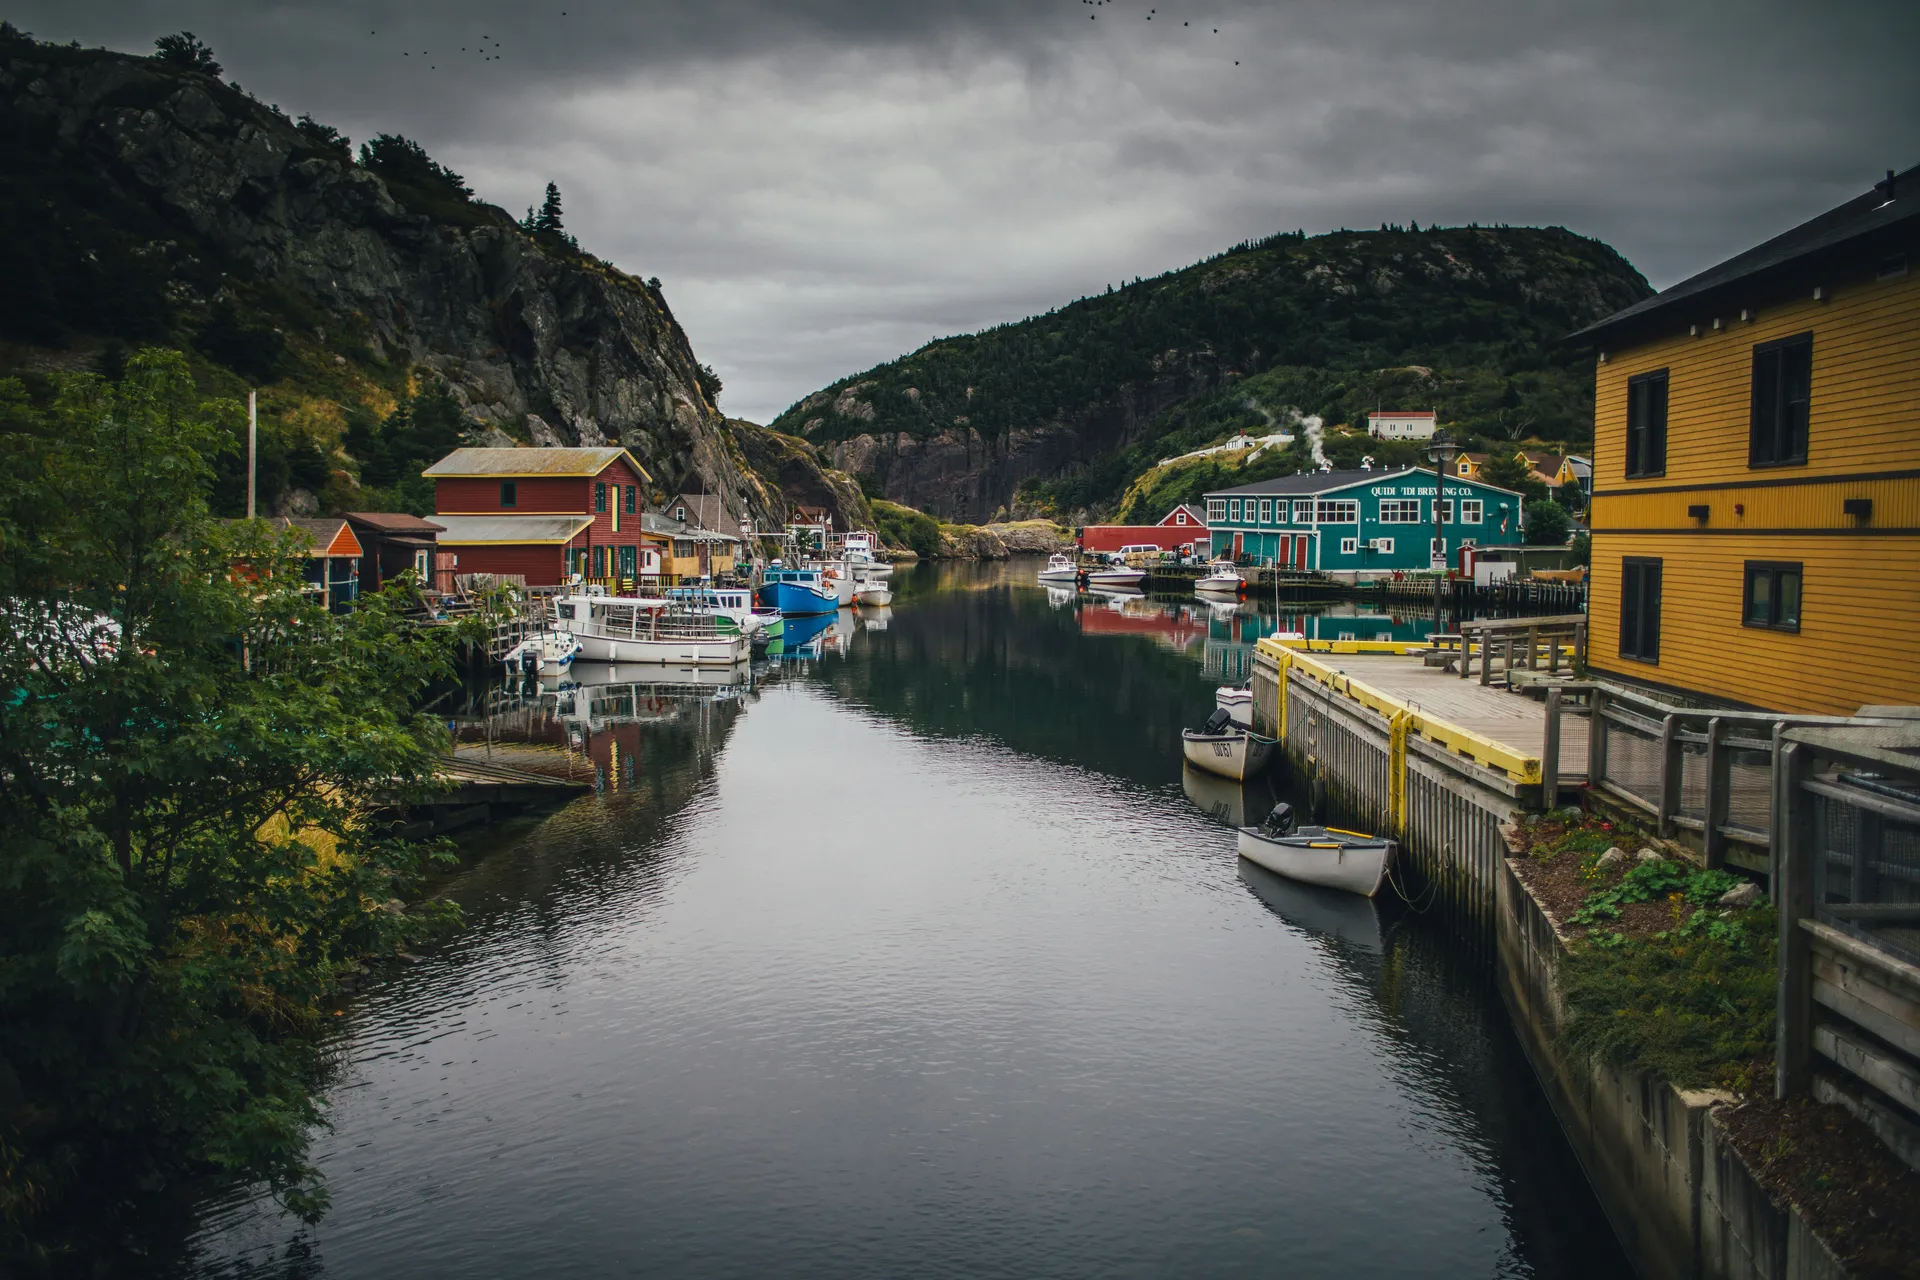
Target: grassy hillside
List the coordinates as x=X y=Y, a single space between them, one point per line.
x=1461 y=319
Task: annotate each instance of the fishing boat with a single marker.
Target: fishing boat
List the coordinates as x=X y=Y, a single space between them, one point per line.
x=1060 y=569
x=798 y=592
x=1329 y=856
x=1221 y=579
x=549 y=653
x=874 y=594
x=837 y=578
x=731 y=607
x=637 y=629
x=1219 y=747
x=861 y=551
x=1109 y=577
x=1236 y=702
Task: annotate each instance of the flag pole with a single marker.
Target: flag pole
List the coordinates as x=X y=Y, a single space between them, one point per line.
x=253 y=424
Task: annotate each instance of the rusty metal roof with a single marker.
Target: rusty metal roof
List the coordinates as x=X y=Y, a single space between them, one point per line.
x=392 y=522
x=509 y=531
x=516 y=463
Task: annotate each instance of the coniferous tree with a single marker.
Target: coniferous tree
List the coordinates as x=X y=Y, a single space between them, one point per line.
x=548 y=219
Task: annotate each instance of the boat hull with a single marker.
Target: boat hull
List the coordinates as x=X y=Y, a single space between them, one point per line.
x=873 y=596
x=1222 y=587
x=1111 y=578
x=703 y=651
x=797 y=599
x=1240 y=755
x=1352 y=866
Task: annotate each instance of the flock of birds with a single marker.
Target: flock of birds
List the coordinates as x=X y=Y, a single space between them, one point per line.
x=489 y=48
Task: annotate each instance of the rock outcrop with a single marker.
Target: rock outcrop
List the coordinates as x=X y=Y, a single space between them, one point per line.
x=533 y=338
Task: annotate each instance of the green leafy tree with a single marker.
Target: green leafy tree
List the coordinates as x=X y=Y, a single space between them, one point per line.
x=193 y=753
x=1548 y=524
x=425 y=428
x=1507 y=469
x=183 y=49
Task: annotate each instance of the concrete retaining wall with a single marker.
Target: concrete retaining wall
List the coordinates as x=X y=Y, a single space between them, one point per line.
x=1682 y=1200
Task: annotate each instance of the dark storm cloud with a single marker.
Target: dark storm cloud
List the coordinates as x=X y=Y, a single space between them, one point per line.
x=824 y=183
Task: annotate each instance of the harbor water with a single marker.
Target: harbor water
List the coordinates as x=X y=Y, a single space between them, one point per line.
x=920 y=955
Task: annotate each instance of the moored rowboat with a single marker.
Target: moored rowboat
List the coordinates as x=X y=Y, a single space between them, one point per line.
x=1329 y=856
x=1238 y=754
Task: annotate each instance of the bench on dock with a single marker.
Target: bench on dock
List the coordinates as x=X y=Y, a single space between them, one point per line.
x=1524 y=641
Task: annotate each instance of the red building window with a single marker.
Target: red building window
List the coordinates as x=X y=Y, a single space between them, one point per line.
x=600 y=505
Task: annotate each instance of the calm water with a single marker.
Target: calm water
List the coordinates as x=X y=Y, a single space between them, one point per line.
x=920 y=957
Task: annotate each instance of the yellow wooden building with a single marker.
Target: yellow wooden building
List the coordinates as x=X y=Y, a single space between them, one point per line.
x=1756 y=471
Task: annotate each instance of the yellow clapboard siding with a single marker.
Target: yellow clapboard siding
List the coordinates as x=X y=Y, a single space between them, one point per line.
x=1856 y=643
x=1859 y=640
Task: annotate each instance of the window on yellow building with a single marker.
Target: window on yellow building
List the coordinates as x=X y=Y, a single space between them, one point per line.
x=1647 y=424
x=1782 y=396
x=1640 y=608
x=1772 y=595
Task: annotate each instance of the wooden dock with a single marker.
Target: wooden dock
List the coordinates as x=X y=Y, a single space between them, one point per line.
x=1513 y=719
x=480 y=791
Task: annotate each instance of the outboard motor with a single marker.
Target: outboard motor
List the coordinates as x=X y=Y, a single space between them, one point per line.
x=1280 y=821
x=1221 y=721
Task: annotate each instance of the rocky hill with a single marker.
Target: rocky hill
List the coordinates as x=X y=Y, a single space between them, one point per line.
x=384 y=311
x=1058 y=413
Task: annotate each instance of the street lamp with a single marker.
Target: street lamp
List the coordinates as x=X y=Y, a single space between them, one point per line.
x=1441 y=451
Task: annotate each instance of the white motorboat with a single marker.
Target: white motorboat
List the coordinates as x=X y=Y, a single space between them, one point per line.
x=1236 y=702
x=549 y=653
x=1221 y=748
x=874 y=593
x=1328 y=856
x=1221 y=579
x=1060 y=569
x=1110 y=577
x=636 y=629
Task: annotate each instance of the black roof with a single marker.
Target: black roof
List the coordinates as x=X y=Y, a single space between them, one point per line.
x=1875 y=222
x=1316 y=482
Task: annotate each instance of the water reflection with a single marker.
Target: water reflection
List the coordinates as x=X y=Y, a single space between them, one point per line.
x=913 y=952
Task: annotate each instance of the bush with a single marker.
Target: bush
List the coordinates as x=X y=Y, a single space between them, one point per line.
x=906 y=527
x=184 y=50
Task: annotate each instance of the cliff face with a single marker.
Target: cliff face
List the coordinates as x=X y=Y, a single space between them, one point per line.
x=1059 y=412
x=219 y=198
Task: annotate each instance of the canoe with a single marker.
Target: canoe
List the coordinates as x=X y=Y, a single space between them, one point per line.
x=1239 y=754
x=1326 y=856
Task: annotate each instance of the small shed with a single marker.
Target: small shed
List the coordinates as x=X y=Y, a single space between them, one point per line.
x=394 y=543
x=333 y=563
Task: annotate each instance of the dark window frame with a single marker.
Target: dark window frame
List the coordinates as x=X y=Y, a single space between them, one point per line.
x=509 y=494
x=1646 y=445
x=631 y=498
x=1773 y=416
x=600 y=498
x=1639 y=640
x=1774 y=571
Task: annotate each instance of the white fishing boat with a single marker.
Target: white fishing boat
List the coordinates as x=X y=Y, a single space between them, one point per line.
x=1112 y=576
x=1221 y=579
x=861 y=552
x=637 y=629
x=1221 y=748
x=873 y=594
x=1236 y=702
x=1329 y=856
x=1060 y=569
x=550 y=653
x=733 y=606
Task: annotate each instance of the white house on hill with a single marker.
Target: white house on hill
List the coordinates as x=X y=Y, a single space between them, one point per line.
x=1401 y=424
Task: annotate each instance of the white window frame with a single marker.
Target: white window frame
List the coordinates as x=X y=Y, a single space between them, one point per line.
x=1266 y=511
x=1446 y=510
x=1472 y=510
x=1233 y=511
x=1399 y=511
x=1383 y=545
x=1179 y=517
x=1349 y=546
x=1303 y=510
x=1216 y=509
x=1337 y=511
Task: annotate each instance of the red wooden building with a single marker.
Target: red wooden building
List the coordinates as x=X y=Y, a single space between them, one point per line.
x=544 y=514
x=1182 y=529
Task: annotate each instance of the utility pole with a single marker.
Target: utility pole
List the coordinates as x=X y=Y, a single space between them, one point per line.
x=253 y=428
x=1442 y=450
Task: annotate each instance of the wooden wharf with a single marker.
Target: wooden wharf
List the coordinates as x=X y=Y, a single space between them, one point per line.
x=476 y=790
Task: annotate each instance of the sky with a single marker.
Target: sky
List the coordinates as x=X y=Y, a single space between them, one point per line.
x=823 y=185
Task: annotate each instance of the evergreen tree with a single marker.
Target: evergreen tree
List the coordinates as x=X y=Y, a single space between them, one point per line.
x=548 y=219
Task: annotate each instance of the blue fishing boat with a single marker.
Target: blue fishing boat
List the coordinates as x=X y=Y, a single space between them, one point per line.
x=798 y=592
x=802 y=638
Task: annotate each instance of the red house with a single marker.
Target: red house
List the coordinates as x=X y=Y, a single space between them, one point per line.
x=1181 y=529
x=544 y=514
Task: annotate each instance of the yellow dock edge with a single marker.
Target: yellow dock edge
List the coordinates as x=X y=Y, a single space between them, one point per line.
x=1303 y=645
x=1402 y=719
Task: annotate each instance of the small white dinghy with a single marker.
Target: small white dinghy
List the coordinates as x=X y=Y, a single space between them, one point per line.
x=549 y=653
x=873 y=593
x=1349 y=860
x=1236 y=702
x=1220 y=748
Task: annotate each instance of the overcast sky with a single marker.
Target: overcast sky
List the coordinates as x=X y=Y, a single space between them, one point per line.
x=826 y=184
